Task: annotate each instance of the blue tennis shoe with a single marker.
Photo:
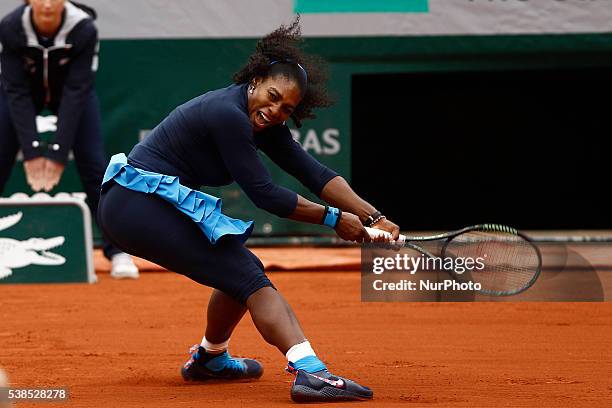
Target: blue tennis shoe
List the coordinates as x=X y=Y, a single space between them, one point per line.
x=203 y=366
x=322 y=386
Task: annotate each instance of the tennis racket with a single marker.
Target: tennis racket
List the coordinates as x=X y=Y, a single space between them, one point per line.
x=509 y=262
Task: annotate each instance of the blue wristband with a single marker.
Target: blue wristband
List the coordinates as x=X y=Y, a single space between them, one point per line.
x=332 y=215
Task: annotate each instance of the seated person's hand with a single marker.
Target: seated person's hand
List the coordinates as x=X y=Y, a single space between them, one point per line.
x=53 y=174
x=35 y=172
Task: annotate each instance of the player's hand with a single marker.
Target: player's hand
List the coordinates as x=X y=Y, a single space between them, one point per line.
x=35 y=172
x=350 y=228
x=389 y=226
x=53 y=174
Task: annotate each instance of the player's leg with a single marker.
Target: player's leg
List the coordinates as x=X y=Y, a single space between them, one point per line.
x=222 y=316
x=211 y=359
x=272 y=316
x=277 y=323
x=270 y=312
x=275 y=319
x=88 y=149
x=147 y=226
x=9 y=143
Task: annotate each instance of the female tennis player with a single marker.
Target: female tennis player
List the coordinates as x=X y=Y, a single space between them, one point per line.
x=151 y=208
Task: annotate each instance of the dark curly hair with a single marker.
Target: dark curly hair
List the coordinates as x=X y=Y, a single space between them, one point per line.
x=280 y=52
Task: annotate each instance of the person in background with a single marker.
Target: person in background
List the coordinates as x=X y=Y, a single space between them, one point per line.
x=48 y=61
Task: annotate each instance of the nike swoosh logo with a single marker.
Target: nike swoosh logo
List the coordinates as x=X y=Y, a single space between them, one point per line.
x=339 y=383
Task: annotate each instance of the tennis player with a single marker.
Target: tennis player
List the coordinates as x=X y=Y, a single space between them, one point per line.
x=150 y=207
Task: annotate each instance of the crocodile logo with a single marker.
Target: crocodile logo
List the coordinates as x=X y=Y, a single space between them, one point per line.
x=33 y=251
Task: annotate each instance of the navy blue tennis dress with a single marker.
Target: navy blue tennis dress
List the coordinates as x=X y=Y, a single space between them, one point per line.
x=151 y=206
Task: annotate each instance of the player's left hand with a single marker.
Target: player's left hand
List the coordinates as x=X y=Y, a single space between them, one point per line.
x=53 y=174
x=389 y=226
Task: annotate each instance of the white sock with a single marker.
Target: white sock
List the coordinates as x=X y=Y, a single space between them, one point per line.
x=300 y=351
x=214 y=348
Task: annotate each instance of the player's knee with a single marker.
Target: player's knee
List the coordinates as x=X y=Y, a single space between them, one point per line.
x=258 y=282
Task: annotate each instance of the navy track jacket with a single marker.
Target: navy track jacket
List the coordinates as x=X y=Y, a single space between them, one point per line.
x=54 y=73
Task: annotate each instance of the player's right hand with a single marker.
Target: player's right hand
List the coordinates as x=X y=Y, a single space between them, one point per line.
x=35 y=172
x=350 y=228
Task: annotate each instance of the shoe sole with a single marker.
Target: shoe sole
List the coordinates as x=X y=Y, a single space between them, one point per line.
x=302 y=393
x=218 y=379
x=124 y=277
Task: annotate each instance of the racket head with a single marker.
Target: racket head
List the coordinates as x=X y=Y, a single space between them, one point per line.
x=512 y=262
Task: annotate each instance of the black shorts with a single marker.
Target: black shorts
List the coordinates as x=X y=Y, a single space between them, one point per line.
x=149 y=227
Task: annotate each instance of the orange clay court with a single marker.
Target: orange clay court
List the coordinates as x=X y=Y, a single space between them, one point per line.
x=412 y=354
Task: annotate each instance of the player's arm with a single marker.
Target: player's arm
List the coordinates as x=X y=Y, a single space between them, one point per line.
x=232 y=135
x=239 y=153
x=348 y=226
x=278 y=144
x=322 y=181
x=339 y=193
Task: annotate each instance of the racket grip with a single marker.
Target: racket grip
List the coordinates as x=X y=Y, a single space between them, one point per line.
x=375 y=233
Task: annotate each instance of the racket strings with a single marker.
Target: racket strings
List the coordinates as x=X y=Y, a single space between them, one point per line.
x=509 y=262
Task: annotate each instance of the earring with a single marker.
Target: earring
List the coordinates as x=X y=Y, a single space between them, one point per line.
x=251 y=89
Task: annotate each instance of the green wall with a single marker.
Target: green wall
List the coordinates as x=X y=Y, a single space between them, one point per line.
x=141 y=81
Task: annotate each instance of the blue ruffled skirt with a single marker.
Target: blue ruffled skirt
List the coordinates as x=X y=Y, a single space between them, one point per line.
x=204 y=209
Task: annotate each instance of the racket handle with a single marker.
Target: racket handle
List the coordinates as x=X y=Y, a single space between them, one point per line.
x=375 y=233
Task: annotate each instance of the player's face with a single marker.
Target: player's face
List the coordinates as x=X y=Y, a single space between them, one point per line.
x=272 y=101
x=47 y=11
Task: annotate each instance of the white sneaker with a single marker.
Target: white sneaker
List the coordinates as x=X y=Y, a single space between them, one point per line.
x=123 y=267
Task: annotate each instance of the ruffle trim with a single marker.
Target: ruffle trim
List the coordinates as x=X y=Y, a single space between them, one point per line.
x=204 y=209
